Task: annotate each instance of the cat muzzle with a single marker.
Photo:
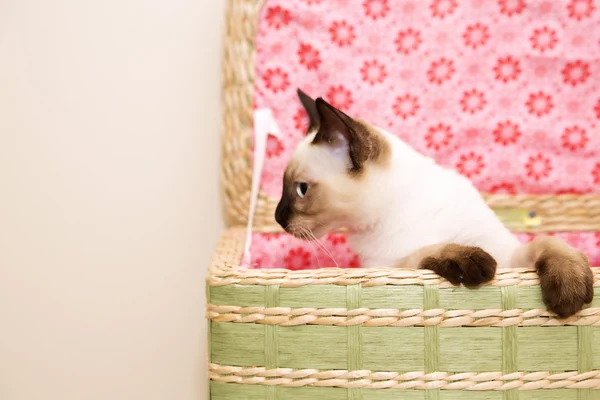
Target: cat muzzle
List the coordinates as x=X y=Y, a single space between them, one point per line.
x=282 y=214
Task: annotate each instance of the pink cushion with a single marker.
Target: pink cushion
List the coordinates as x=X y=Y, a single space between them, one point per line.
x=284 y=251
x=507 y=92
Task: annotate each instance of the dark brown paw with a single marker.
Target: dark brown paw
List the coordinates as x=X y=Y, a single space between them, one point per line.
x=566 y=280
x=458 y=264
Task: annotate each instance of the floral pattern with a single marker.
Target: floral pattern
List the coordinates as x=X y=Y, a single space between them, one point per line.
x=507 y=69
x=476 y=35
x=539 y=104
x=470 y=164
x=342 y=33
x=574 y=138
x=543 y=39
x=438 y=136
x=443 y=8
x=276 y=80
x=373 y=72
x=506 y=133
x=441 y=70
x=596 y=174
x=473 y=101
x=300 y=120
x=511 y=7
x=376 y=9
x=575 y=73
x=278 y=250
x=406 y=106
x=580 y=9
x=538 y=166
x=277 y=17
x=504 y=188
x=309 y=56
x=274 y=147
x=408 y=41
x=298 y=258
x=503 y=91
x=340 y=97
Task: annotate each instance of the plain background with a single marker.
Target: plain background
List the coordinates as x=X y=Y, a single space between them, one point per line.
x=109 y=196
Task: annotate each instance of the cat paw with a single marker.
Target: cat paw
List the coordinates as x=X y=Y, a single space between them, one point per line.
x=458 y=264
x=566 y=280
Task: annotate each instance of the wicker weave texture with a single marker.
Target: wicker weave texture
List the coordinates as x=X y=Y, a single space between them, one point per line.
x=297 y=378
x=227 y=391
x=290 y=334
x=238 y=89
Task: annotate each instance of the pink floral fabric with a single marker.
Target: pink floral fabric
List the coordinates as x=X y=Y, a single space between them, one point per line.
x=507 y=92
x=280 y=250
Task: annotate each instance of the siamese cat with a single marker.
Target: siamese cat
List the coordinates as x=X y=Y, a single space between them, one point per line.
x=402 y=210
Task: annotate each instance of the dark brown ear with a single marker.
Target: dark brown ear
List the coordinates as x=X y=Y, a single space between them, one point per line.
x=342 y=133
x=311 y=109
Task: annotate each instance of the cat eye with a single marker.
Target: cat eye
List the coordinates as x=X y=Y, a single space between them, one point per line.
x=301 y=189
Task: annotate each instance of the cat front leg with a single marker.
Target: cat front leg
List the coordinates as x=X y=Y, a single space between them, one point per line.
x=565 y=275
x=456 y=263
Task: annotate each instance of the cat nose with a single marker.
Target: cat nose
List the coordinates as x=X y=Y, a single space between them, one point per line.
x=282 y=215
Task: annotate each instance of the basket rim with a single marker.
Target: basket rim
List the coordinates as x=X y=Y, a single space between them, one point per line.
x=226 y=269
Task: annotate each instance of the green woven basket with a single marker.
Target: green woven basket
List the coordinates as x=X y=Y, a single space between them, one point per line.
x=391 y=334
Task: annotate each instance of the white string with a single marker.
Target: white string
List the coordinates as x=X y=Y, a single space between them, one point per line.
x=264 y=125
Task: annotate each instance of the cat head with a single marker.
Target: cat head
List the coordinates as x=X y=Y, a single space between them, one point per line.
x=330 y=173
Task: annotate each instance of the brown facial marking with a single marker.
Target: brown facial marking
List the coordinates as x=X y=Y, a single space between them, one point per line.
x=565 y=276
x=458 y=264
x=377 y=147
x=291 y=207
x=284 y=210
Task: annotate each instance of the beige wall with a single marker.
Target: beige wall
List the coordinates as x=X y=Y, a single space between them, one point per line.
x=109 y=201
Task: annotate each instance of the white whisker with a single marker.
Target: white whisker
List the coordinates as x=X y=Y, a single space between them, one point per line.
x=305 y=233
x=322 y=246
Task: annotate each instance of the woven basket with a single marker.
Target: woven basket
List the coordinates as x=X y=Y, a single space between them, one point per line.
x=379 y=333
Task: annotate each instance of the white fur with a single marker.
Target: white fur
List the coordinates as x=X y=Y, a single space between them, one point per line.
x=406 y=205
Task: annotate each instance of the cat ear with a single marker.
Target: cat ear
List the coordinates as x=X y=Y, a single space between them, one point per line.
x=334 y=129
x=311 y=109
x=341 y=133
x=355 y=140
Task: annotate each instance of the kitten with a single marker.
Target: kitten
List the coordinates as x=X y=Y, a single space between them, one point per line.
x=402 y=210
